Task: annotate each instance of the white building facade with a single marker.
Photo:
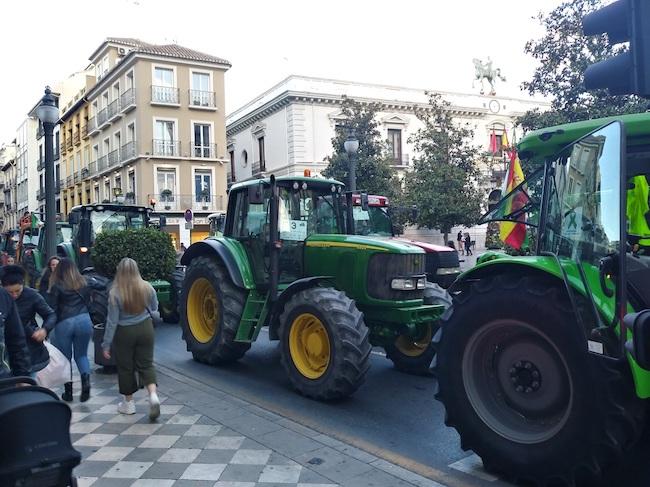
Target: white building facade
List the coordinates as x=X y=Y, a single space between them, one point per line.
x=289 y=128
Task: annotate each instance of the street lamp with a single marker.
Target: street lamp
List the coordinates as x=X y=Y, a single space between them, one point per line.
x=351 y=146
x=48 y=114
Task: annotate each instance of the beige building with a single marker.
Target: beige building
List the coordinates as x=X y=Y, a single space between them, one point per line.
x=154 y=133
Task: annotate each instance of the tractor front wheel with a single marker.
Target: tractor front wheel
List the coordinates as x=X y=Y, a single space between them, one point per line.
x=324 y=343
x=523 y=392
x=211 y=308
x=414 y=355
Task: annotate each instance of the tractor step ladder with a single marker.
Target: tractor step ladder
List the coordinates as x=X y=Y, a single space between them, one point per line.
x=253 y=317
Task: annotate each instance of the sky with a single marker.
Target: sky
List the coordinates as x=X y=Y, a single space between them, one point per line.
x=426 y=44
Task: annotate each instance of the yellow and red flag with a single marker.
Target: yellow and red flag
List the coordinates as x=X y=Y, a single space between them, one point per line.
x=514 y=233
x=504 y=140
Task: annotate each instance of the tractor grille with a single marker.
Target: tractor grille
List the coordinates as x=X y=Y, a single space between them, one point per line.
x=382 y=268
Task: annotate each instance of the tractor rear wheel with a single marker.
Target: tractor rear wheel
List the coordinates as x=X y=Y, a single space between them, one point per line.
x=414 y=355
x=324 y=343
x=211 y=308
x=523 y=392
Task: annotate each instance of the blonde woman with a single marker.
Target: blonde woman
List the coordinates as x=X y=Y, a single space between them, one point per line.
x=129 y=328
x=68 y=295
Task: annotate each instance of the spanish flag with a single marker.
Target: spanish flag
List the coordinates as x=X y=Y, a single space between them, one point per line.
x=514 y=233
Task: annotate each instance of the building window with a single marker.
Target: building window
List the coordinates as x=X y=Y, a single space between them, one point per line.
x=201 y=94
x=118 y=182
x=233 y=178
x=129 y=80
x=105 y=101
x=164 y=143
x=260 y=151
x=395 y=145
x=131 y=182
x=203 y=185
x=56 y=145
x=107 y=190
x=166 y=180
x=130 y=132
x=163 y=89
x=96 y=196
x=244 y=158
x=202 y=147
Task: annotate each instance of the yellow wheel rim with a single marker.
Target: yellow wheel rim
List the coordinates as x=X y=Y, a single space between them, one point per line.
x=414 y=348
x=309 y=346
x=203 y=310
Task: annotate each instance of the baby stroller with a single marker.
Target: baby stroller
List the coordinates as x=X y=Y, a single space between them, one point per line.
x=35 y=429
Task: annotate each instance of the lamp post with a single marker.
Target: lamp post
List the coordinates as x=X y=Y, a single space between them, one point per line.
x=48 y=114
x=351 y=146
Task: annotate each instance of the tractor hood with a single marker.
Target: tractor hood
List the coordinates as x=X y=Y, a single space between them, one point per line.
x=427 y=247
x=359 y=242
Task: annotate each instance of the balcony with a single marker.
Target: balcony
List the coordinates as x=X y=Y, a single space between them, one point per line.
x=128 y=151
x=114 y=158
x=127 y=100
x=40 y=194
x=164 y=95
x=166 y=148
x=102 y=117
x=40 y=164
x=63 y=149
x=92 y=168
x=93 y=128
x=76 y=138
x=68 y=143
x=113 y=111
x=84 y=131
x=102 y=163
x=77 y=177
x=202 y=99
x=181 y=202
x=85 y=172
x=204 y=151
x=69 y=181
x=400 y=160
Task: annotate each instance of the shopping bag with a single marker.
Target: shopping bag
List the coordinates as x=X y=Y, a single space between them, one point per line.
x=57 y=372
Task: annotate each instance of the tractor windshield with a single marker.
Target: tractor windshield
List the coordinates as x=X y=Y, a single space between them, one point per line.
x=113 y=220
x=373 y=222
x=522 y=204
x=308 y=211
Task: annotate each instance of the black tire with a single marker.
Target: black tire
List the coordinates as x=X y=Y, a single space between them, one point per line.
x=170 y=312
x=99 y=288
x=415 y=356
x=348 y=343
x=217 y=346
x=558 y=431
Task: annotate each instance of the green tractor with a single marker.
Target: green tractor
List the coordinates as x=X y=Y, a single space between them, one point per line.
x=287 y=261
x=90 y=220
x=31 y=251
x=543 y=361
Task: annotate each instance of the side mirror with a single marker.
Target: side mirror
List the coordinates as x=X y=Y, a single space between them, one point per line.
x=73 y=218
x=639 y=346
x=364 y=201
x=256 y=194
x=163 y=221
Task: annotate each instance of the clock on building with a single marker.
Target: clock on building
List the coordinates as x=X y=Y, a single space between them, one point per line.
x=495 y=106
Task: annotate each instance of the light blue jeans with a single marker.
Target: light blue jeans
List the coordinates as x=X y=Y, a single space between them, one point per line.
x=73 y=336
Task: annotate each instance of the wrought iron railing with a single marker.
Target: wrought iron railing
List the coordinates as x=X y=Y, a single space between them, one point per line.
x=179 y=202
x=114 y=158
x=168 y=148
x=113 y=110
x=127 y=100
x=164 y=94
x=204 y=151
x=205 y=99
x=102 y=117
x=128 y=151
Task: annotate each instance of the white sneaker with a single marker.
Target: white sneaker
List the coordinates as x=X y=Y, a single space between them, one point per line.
x=154 y=406
x=126 y=407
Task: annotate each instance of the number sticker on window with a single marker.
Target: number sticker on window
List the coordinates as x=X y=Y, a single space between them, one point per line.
x=295 y=230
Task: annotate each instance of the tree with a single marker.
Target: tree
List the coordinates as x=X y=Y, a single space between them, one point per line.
x=443 y=183
x=563 y=54
x=374 y=172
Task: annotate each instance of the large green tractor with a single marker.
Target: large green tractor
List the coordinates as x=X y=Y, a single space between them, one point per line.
x=286 y=262
x=543 y=361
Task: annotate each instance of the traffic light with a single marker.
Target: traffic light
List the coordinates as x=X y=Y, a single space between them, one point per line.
x=629 y=72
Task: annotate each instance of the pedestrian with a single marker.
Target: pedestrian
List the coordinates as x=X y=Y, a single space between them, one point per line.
x=30 y=303
x=180 y=252
x=10 y=260
x=129 y=328
x=47 y=273
x=468 y=244
x=459 y=238
x=68 y=294
x=14 y=356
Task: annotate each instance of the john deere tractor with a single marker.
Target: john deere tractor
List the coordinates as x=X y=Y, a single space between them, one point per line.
x=286 y=262
x=543 y=361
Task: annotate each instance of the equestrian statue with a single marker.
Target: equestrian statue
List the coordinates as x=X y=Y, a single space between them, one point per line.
x=485 y=71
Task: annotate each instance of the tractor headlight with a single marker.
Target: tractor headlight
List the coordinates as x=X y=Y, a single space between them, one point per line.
x=408 y=283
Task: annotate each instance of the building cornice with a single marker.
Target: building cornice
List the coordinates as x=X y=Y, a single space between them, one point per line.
x=289 y=97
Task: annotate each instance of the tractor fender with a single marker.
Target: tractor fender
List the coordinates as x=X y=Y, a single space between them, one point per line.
x=285 y=296
x=231 y=253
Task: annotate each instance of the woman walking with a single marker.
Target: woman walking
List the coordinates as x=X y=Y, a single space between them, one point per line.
x=29 y=304
x=468 y=244
x=44 y=285
x=68 y=295
x=129 y=328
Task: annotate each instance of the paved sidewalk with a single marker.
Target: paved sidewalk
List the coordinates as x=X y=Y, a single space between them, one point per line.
x=207 y=438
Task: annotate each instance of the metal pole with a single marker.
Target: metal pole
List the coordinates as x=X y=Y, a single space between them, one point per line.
x=50 y=199
x=352 y=173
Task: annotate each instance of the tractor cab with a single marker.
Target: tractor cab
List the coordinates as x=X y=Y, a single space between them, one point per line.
x=88 y=221
x=217 y=223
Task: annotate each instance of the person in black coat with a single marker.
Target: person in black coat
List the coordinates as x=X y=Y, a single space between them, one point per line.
x=14 y=357
x=29 y=303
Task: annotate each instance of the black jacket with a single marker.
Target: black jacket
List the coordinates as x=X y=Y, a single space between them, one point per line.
x=14 y=357
x=67 y=303
x=29 y=304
